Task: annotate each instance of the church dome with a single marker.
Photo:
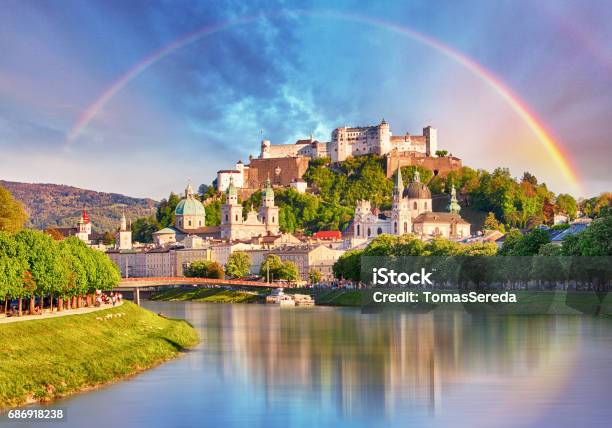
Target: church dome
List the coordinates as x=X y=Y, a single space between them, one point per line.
x=189 y=206
x=416 y=190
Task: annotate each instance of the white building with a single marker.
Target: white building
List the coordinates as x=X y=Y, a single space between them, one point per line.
x=378 y=139
x=123 y=237
x=411 y=213
x=237 y=175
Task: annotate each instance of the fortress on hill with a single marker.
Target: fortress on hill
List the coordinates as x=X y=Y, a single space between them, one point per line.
x=285 y=164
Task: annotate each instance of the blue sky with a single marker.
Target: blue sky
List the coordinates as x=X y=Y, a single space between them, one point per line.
x=204 y=106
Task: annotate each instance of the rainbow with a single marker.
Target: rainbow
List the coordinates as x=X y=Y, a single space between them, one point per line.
x=530 y=119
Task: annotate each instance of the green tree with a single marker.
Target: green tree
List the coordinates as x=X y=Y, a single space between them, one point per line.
x=271 y=267
x=529 y=244
x=13 y=267
x=314 y=276
x=348 y=266
x=165 y=210
x=567 y=205
x=491 y=223
x=595 y=240
x=12 y=214
x=238 y=264
x=289 y=271
x=144 y=228
x=205 y=269
x=510 y=241
x=441 y=153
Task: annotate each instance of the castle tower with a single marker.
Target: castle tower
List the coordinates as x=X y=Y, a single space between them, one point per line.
x=268 y=213
x=123 y=238
x=431 y=140
x=231 y=213
x=384 y=138
x=401 y=219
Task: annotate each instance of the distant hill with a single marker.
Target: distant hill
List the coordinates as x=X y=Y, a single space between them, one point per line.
x=53 y=205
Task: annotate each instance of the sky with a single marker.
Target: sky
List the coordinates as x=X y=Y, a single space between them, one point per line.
x=139 y=97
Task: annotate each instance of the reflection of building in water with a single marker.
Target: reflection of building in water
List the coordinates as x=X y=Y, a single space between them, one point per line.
x=363 y=364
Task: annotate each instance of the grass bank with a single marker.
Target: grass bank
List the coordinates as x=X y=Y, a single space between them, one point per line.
x=50 y=358
x=214 y=295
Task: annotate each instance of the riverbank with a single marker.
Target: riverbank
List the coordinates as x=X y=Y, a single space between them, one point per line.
x=57 y=314
x=528 y=302
x=44 y=359
x=211 y=295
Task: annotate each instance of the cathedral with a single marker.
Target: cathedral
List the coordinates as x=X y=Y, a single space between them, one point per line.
x=411 y=212
x=234 y=226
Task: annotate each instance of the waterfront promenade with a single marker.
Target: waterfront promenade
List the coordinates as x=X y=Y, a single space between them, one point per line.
x=46 y=314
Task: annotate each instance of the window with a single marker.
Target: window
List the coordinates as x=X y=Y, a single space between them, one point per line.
x=189 y=222
x=425 y=206
x=272 y=219
x=405 y=227
x=236 y=217
x=200 y=223
x=369 y=231
x=415 y=205
x=226 y=218
x=379 y=231
x=358 y=230
x=395 y=227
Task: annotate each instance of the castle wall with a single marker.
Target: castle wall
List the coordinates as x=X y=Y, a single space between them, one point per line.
x=440 y=166
x=281 y=171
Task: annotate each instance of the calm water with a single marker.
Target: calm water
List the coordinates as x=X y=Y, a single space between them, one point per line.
x=263 y=366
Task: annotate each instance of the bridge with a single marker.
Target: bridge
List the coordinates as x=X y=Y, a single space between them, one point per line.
x=135 y=285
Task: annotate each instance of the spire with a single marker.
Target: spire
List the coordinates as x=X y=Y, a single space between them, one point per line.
x=416 y=177
x=231 y=189
x=189 y=190
x=453 y=205
x=123 y=222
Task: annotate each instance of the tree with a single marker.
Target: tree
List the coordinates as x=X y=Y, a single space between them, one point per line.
x=289 y=271
x=144 y=228
x=441 y=153
x=510 y=241
x=593 y=241
x=491 y=223
x=567 y=205
x=165 y=210
x=271 y=267
x=108 y=238
x=314 y=276
x=529 y=244
x=203 y=189
x=13 y=267
x=238 y=264
x=205 y=269
x=12 y=214
x=348 y=266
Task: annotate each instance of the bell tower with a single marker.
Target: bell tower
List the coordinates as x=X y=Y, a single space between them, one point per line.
x=231 y=213
x=268 y=212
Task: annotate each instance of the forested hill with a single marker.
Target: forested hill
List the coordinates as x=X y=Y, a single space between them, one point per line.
x=53 y=205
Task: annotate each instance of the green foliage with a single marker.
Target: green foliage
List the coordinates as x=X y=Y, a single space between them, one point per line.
x=238 y=264
x=276 y=269
x=213 y=211
x=530 y=243
x=205 y=269
x=314 y=276
x=408 y=174
x=510 y=241
x=13 y=266
x=595 y=240
x=441 y=153
x=144 y=228
x=567 y=205
x=12 y=214
x=491 y=223
x=593 y=207
x=348 y=266
x=165 y=210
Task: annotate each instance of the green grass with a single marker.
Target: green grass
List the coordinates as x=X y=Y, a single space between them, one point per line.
x=50 y=358
x=214 y=295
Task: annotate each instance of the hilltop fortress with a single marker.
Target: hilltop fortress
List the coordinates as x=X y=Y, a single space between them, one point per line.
x=285 y=164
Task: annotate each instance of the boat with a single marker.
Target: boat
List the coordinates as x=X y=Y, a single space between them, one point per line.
x=278 y=297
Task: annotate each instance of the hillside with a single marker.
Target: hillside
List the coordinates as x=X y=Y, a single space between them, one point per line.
x=53 y=205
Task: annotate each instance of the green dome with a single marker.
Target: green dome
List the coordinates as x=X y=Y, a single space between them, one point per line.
x=189 y=206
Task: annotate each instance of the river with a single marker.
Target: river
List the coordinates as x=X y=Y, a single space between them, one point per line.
x=264 y=366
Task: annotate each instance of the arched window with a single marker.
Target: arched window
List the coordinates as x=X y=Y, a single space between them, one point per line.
x=236 y=217
x=395 y=227
x=180 y=222
x=272 y=219
x=358 y=230
x=189 y=222
x=425 y=206
x=405 y=227
x=263 y=219
x=369 y=231
x=379 y=231
x=226 y=218
x=415 y=205
x=200 y=223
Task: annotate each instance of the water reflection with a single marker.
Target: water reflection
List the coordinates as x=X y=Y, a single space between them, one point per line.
x=264 y=366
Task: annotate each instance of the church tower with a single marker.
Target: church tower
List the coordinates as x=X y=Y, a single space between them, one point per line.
x=268 y=212
x=123 y=238
x=231 y=213
x=453 y=205
x=84 y=227
x=401 y=219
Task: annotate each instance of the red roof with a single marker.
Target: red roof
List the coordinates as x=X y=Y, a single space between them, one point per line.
x=85 y=217
x=328 y=234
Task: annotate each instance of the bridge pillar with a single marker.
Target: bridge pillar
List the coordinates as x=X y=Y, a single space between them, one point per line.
x=137 y=295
